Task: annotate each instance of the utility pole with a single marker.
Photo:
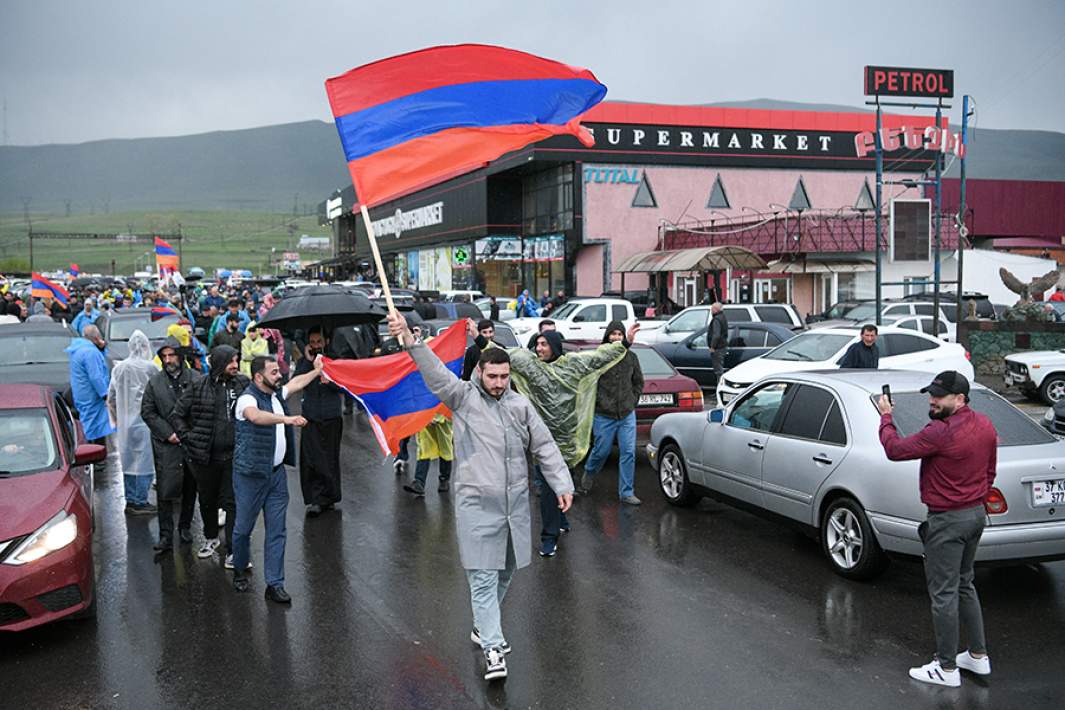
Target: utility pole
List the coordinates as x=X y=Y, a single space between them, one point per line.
x=963 y=231
x=879 y=210
x=939 y=207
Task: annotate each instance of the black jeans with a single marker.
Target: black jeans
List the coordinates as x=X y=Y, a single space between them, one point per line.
x=188 y=507
x=320 y=461
x=214 y=482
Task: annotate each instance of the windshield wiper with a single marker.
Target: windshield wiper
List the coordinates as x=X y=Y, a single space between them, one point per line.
x=804 y=356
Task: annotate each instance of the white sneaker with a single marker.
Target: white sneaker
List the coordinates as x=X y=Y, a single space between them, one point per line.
x=495 y=665
x=979 y=666
x=228 y=564
x=208 y=549
x=935 y=674
x=399 y=466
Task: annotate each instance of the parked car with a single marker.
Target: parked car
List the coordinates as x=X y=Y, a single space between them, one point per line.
x=947 y=331
x=822 y=349
x=460 y=296
x=1038 y=374
x=46 y=559
x=456 y=309
x=485 y=306
x=805 y=446
x=949 y=303
x=691 y=356
x=696 y=318
x=837 y=311
x=118 y=326
x=580 y=318
x=35 y=353
x=504 y=335
x=664 y=389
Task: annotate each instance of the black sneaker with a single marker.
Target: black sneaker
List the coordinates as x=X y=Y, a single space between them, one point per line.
x=165 y=543
x=140 y=509
x=444 y=486
x=495 y=665
x=416 y=487
x=240 y=583
x=277 y=594
x=475 y=636
x=548 y=548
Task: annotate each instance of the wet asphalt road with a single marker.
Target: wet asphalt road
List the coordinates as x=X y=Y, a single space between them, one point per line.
x=654 y=607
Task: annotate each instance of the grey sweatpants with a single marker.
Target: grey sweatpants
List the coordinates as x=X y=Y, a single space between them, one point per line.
x=950 y=541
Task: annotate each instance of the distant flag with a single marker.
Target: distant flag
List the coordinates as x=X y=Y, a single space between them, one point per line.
x=392 y=390
x=418 y=118
x=159 y=312
x=46 y=288
x=74 y=270
x=166 y=259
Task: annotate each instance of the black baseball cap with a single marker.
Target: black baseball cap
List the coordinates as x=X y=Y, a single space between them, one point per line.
x=948 y=382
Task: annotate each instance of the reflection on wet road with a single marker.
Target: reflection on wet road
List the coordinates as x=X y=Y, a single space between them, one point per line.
x=650 y=607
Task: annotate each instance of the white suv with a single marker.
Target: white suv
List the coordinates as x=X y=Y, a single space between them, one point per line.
x=1038 y=373
x=696 y=318
x=579 y=318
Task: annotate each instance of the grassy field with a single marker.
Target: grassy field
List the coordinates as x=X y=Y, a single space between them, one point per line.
x=230 y=239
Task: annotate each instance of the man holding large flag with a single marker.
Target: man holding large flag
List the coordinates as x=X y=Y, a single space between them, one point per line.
x=493 y=428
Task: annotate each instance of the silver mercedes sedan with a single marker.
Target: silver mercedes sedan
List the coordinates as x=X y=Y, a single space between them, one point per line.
x=805 y=446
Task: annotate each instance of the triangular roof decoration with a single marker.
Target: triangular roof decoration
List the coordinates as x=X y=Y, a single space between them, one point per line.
x=645 y=197
x=718 y=198
x=800 y=199
x=865 y=199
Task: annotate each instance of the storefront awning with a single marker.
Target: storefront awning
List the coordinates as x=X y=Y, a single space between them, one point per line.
x=701 y=259
x=820 y=266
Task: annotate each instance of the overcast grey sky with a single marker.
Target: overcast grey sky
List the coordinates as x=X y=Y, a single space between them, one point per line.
x=75 y=71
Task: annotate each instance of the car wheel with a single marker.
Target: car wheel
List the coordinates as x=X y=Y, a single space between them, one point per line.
x=1053 y=389
x=673 y=477
x=849 y=543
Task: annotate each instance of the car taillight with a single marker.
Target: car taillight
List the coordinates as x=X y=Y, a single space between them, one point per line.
x=690 y=400
x=995 y=503
x=968 y=355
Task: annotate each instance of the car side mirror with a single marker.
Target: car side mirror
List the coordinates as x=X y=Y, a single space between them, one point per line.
x=716 y=416
x=86 y=454
x=691 y=344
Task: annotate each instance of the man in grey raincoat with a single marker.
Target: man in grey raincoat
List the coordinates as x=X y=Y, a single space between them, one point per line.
x=493 y=428
x=133 y=440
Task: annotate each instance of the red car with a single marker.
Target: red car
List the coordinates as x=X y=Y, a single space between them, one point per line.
x=664 y=389
x=46 y=516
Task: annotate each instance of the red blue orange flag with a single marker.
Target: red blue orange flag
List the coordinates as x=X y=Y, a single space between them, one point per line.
x=46 y=288
x=415 y=119
x=166 y=259
x=74 y=270
x=392 y=390
x=160 y=312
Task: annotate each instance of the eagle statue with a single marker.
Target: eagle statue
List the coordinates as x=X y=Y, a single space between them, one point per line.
x=1035 y=287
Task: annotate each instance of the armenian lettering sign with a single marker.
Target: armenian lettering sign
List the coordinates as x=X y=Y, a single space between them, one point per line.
x=908 y=81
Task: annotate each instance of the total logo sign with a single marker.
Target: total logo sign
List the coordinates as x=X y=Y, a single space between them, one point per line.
x=612 y=176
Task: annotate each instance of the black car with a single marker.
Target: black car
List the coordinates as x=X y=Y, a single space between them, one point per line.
x=747 y=341
x=118 y=326
x=504 y=335
x=35 y=353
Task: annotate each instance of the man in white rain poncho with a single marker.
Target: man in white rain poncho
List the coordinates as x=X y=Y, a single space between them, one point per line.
x=133 y=438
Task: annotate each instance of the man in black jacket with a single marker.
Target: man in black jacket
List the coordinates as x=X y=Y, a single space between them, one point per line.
x=204 y=422
x=487 y=330
x=617 y=394
x=320 y=438
x=863 y=355
x=173 y=478
x=717 y=339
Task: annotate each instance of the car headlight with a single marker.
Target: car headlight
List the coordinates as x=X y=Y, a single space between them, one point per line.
x=54 y=535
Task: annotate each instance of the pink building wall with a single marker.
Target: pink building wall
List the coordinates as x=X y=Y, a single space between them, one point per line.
x=682 y=194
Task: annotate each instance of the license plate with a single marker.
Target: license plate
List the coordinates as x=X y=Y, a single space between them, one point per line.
x=1048 y=492
x=647 y=400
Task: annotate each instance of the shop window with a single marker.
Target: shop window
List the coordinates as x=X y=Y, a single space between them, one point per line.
x=547 y=200
x=718 y=197
x=644 y=197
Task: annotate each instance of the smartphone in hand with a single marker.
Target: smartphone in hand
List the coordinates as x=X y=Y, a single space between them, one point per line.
x=886 y=390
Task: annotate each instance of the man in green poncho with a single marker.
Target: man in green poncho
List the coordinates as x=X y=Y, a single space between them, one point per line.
x=562 y=388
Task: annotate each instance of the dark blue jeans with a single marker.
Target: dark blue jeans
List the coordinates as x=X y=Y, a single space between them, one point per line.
x=269 y=495
x=421 y=470
x=552 y=519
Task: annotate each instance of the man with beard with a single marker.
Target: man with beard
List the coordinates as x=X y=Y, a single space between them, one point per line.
x=231 y=335
x=89 y=381
x=203 y=421
x=173 y=478
x=264 y=445
x=321 y=406
x=495 y=429
x=958 y=450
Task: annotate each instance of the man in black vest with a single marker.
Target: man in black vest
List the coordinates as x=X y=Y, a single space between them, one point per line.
x=320 y=439
x=264 y=444
x=174 y=480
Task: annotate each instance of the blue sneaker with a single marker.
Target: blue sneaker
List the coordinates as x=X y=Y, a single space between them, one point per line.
x=548 y=548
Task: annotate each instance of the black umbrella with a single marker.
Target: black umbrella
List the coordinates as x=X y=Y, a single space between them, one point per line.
x=325 y=306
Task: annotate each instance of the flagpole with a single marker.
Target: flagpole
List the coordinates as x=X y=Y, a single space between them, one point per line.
x=377 y=260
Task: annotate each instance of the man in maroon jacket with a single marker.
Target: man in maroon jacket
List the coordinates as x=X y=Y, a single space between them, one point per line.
x=958 y=452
